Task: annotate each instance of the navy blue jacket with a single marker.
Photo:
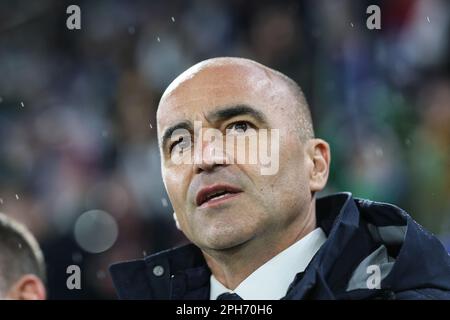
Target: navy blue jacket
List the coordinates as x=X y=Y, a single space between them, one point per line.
x=366 y=241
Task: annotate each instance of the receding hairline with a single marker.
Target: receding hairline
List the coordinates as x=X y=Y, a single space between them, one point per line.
x=305 y=125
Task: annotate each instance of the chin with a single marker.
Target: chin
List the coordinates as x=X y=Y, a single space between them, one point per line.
x=224 y=239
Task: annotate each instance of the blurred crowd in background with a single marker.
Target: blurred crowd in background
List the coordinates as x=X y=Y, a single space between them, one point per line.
x=79 y=160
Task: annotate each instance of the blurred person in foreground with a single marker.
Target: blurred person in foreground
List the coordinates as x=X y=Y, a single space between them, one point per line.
x=22 y=268
x=268 y=236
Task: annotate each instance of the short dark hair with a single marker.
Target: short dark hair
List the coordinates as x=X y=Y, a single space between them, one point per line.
x=306 y=126
x=20 y=253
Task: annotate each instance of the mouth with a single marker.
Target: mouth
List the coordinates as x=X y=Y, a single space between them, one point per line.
x=216 y=194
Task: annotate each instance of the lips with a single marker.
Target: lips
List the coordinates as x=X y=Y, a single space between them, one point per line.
x=216 y=193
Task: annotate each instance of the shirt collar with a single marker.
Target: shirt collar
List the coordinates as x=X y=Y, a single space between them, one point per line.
x=272 y=279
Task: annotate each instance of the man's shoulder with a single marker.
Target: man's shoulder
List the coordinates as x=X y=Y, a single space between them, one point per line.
x=423 y=294
x=130 y=279
x=371 y=235
x=149 y=277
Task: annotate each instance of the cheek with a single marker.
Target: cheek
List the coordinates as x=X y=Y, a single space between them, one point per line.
x=291 y=181
x=175 y=182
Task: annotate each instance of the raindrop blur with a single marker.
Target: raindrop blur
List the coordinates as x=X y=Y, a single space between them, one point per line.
x=408 y=142
x=428 y=19
x=17 y=196
x=131 y=30
x=101 y=274
x=95 y=231
x=22 y=104
x=1 y=99
x=173 y=19
x=77 y=257
x=351 y=23
x=379 y=152
x=159 y=40
x=164 y=202
x=151 y=127
x=1 y=201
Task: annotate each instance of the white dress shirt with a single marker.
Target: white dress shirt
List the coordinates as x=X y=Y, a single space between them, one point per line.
x=271 y=280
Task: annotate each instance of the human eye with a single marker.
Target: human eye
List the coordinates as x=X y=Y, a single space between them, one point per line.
x=238 y=127
x=180 y=144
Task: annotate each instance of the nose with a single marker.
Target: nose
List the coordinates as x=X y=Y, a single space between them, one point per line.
x=209 y=152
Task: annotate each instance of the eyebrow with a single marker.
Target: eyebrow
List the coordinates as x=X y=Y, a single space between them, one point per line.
x=168 y=133
x=215 y=116
x=234 y=111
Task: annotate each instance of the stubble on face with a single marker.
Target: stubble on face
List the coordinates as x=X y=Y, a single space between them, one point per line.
x=268 y=204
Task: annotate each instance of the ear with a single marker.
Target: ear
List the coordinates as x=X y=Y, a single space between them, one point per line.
x=176 y=221
x=28 y=287
x=318 y=151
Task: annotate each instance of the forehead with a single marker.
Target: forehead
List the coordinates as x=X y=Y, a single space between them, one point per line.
x=200 y=91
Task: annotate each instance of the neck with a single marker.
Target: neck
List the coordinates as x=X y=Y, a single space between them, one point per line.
x=234 y=265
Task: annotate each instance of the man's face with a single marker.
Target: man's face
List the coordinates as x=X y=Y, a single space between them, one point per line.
x=255 y=206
